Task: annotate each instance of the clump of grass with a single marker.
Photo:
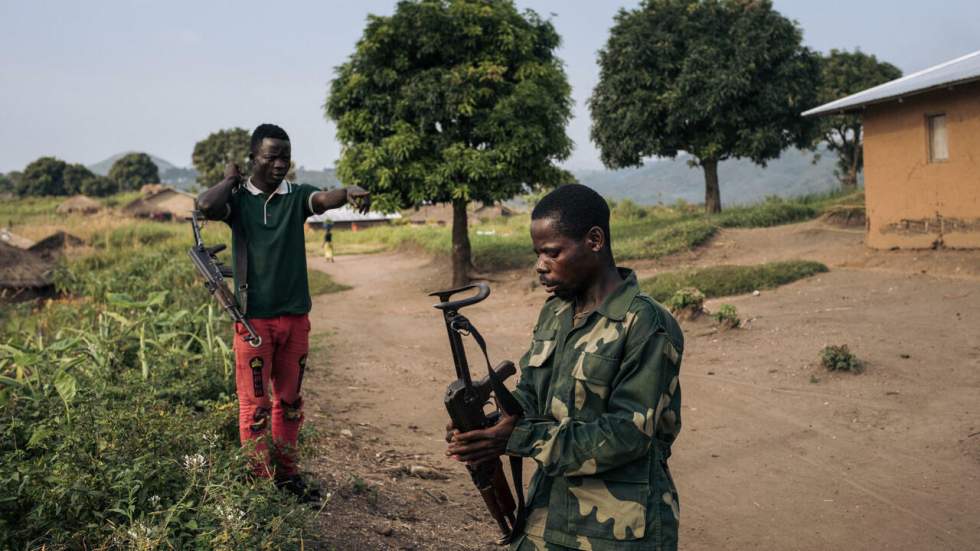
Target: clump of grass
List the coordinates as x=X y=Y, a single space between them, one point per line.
x=673 y=238
x=321 y=283
x=840 y=358
x=772 y=212
x=718 y=281
x=727 y=316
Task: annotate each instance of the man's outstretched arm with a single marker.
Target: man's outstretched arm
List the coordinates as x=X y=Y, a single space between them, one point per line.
x=358 y=197
x=215 y=203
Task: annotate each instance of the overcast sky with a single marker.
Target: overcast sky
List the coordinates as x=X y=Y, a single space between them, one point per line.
x=84 y=80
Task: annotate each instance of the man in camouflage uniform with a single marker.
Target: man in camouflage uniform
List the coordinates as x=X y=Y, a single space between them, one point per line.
x=600 y=394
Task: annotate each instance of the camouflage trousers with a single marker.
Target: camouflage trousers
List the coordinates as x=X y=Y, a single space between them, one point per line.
x=535 y=543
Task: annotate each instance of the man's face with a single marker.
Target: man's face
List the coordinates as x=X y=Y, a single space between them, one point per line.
x=270 y=163
x=565 y=266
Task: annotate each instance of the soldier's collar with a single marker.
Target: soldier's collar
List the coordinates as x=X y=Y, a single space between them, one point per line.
x=618 y=302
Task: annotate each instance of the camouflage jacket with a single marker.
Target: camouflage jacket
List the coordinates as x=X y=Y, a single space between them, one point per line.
x=602 y=407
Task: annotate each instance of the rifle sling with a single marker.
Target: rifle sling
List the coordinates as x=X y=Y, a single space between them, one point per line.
x=511 y=406
x=241 y=262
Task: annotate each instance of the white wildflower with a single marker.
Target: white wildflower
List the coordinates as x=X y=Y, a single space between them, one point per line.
x=194 y=462
x=154 y=501
x=211 y=438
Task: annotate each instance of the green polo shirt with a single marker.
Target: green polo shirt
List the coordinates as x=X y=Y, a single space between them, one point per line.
x=273 y=227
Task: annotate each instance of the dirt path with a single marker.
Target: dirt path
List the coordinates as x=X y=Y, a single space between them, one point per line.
x=775 y=453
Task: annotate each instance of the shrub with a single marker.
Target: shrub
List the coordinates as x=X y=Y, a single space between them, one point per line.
x=840 y=358
x=688 y=301
x=727 y=316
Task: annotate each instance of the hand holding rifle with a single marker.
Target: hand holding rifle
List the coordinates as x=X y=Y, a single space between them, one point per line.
x=481 y=445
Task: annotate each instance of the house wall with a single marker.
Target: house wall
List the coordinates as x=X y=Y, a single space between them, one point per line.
x=912 y=202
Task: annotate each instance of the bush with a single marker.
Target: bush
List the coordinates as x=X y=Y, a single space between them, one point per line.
x=727 y=316
x=688 y=299
x=718 y=281
x=840 y=358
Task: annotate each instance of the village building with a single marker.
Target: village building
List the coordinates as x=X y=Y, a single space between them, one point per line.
x=79 y=204
x=14 y=240
x=347 y=218
x=56 y=245
x=921 y=156
x=162 y=203
x=23 y=275
x=441 y=214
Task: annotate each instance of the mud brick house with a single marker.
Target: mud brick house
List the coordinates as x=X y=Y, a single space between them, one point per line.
x=921 y=156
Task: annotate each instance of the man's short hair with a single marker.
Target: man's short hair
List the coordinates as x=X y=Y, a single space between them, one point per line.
x=575 y=210
x=264 y=131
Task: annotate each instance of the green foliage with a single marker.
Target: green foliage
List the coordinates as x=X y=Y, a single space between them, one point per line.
x=98 y=186
x=840 y=358
x=627 y=210
x=843 y=73
x=118 y=426
x=772 y=212
x=718 y=79
x=727 y=315
x=452 y=100
x=6 y=184
x=221 y=147
x=719 y=281
x=51 y=176
x=686 y=298
x=133 y=170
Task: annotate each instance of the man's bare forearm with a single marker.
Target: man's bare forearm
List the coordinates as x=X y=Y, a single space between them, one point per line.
x=214 y=203
x=327 y=200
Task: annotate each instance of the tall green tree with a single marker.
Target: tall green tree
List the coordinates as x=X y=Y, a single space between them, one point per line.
x=74 y=176
x=44 y=176
x=452 y=101
x=133 y=170
x=6 y=184
x=223 y=146
x=718 y=79
x=843 y=73
x=98 y=186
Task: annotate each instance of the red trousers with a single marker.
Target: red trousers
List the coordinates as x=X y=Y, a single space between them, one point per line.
x=268 y=379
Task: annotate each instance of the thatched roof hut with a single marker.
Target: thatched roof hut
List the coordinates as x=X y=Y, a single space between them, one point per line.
x=23 y=274
x=165 y=203
x=80 y=204
x=54 y=246
x=10 y=238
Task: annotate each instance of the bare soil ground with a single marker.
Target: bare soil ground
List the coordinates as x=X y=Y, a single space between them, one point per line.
x=775 y=453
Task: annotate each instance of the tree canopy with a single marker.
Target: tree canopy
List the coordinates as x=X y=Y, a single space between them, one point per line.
x=223 y=146
x=51 y=176
x=452 y=100
x=718 y=79
x=133 y=170
x=98 y=186
x=843 y=73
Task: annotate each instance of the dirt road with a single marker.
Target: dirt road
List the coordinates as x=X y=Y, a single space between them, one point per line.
x=775 y=453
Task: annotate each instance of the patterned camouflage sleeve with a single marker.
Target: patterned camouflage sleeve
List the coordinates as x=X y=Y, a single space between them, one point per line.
x=524 y=392
x=588 y=442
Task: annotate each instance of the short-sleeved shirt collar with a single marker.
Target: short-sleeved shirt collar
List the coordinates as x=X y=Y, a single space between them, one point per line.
x=283 y=188
x=618 y=302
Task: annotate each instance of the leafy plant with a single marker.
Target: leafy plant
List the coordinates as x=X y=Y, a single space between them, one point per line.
x=840 y=358
x=688 y=299
x=727 y=316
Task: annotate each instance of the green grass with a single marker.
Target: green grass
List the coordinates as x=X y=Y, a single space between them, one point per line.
x=719 y=281
x=321 y=283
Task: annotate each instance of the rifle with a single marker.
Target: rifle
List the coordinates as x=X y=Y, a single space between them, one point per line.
x=214 y=272
x=465 y=400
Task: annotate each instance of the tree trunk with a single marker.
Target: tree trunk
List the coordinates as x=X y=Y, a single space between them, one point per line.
x=712 y=194
x=462 y=254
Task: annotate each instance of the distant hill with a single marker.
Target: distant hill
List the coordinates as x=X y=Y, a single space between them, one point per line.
x=102 y=167
x=742 y=182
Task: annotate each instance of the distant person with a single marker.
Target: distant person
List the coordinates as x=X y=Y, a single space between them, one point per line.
x=267 y=214
x=328 y=240
x=599 y=390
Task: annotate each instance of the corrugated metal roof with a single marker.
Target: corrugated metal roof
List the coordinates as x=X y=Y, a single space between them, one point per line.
x=347 y=214
x=957 y=71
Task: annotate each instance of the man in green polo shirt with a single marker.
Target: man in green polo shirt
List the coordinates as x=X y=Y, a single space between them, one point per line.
x=600 y=394
x=268 y=213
